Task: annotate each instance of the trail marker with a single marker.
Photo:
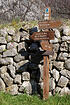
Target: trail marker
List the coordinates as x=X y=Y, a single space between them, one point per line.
x=48 y=35
x=49 y=24
x=44 y=37
x=47 y=13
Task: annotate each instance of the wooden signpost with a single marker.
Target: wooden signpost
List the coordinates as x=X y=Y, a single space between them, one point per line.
x=44 y=37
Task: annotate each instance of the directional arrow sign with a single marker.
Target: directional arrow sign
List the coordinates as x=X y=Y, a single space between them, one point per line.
x=46 y=46
x=49 y=24
x=48 y=35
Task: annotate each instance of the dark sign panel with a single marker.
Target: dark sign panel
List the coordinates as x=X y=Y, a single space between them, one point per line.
x=48 y=35
x=49 y=24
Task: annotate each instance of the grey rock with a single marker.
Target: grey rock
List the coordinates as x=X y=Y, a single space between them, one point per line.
x=57 y=33
x=28 y=16
x=8 y=38
x=65 y=38
x=3 y=40
x=13 y=89
x=22 y=66
x=12 y=70
x=40 y=85
x=65 y=73
x=67 y=64
x=50 y=93
x=21 y=57
x=63 y=56
x=66 y=30
x=2 y=48
x=0 y=55
x=69 y=82
x=11 y=45
x=6 y=61
x=58 y=90
x=7 y=79
x=62 y=81
x=53 y=57
x=54 y=41
x=22 y=46
x=16 y=38
x=69 y=47
x=55 y=74
x=50 y=65
x=2 y=85
x=68 y=41
x=10 y=53
x=3 y=70
x=69 y=55
x=56 y=47
x=3 y=61
x=17 y=79
x=25 y=76
x=64 y=47
x=26 y=87
x=65 y=90
x=3 y=32
x=9 y=60
x=24 y=36
x=51 y=84
x=11 y=31
x=41 y=73
x=59 y=65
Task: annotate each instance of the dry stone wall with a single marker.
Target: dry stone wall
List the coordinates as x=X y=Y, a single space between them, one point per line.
x=21 y=63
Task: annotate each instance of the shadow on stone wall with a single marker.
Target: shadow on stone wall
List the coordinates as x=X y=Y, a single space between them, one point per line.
x=31 y=69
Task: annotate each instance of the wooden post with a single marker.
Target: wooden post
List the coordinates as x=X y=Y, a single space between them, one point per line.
x=46 y=78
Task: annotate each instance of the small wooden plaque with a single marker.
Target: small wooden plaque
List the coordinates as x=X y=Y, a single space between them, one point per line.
x=46 y=46
x=49 y=24
x=48 y=35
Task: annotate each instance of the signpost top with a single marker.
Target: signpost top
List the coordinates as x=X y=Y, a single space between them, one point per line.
x=47 y=13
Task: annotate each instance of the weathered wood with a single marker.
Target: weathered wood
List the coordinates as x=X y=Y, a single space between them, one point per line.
x=48 y=35
x=48 y=53
x=46 y=78
x=46 y=46
x=49 y=24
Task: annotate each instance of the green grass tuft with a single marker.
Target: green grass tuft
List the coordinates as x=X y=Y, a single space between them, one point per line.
x=7 y=99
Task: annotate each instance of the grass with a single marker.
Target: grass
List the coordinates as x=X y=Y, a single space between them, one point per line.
x=7 y=99
x=18 y=23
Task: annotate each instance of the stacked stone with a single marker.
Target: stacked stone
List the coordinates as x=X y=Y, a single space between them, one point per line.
x=60 y=69
x=21 y=63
